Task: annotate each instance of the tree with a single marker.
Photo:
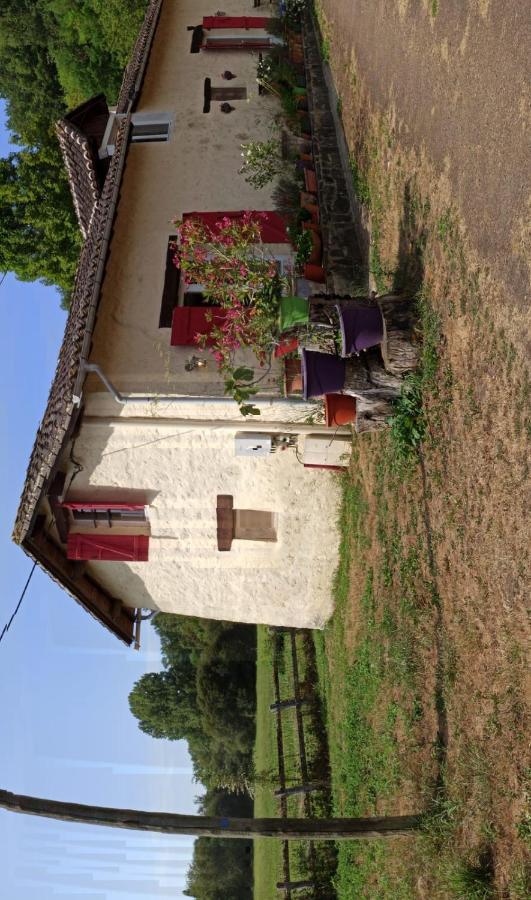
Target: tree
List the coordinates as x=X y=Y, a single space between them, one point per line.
x=206 y=695
x=220 y=870
x=164 y=706
x=39 y=237
x=54 y=54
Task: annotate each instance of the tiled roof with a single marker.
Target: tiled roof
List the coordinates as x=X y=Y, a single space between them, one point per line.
x=134 y=73
x=79 y=152
x=97 y=213
x=85 y=295
x=82 y=175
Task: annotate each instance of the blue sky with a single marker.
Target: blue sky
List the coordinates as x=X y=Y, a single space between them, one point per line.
x=66 y=731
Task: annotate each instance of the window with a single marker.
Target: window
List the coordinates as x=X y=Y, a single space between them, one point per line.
x=194 y=295
x=107 y=531
x=170 y=292
x=149 y=127
x=241 y=42
x=105 y=515
x=197 y=38
x=108 y=516
x=242 y=524
x=221 y=94
x=255 y=525
x=229 y=93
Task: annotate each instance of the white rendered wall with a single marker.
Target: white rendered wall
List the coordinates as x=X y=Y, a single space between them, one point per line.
x=182 y=470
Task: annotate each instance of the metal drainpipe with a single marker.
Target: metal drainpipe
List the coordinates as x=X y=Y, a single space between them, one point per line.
x=124 y=399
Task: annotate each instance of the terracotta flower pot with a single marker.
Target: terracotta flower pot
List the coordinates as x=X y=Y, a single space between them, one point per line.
x=311 y=226
x=305 y=197
x=292 y=377
x=296 y=55
x=314 y=273
x=313 y=209
x=340 y=409
x=310 y=180
x=317 y=249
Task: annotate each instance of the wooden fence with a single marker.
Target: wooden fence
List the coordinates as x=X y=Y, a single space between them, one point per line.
x=304 y=787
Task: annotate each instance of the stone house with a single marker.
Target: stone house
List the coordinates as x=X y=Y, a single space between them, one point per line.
x=146 y=489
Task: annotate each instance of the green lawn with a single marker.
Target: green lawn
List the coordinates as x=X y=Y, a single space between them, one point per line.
x=267 y=853
x=268 y=863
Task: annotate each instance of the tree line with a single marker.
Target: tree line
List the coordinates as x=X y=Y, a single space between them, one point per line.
x=54 y=54
x=205 y=694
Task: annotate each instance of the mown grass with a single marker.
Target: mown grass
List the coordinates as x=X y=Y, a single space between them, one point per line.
x=369 y=687
x=267 y=852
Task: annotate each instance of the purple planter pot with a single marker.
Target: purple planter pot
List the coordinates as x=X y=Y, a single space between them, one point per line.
x=361 y=327
x=322 y=374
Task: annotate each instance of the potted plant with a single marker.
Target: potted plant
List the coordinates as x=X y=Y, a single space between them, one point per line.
x=309 y=206
x=315 y=273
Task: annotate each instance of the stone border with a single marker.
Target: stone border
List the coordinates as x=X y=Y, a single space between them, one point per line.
x=345 y=240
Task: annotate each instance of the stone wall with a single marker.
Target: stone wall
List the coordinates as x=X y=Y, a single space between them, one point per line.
x=339 y=210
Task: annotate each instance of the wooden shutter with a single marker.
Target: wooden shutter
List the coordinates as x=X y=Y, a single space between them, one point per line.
x=228 y=93
x=190 y=321
x=115 y=547
x=170 y=292
x=255 y=525
x=235 y=21
x=272 y=226
x=225 y=521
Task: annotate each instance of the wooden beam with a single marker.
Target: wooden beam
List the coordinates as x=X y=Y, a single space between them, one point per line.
x=55 y=496
x=72 y=575
x=213 y=826
x=225 y=520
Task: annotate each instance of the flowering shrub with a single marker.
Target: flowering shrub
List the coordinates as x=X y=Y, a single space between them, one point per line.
x=229 y=262
x=262 y=160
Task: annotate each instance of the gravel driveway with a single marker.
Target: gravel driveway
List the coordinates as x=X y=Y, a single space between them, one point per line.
x=457 y=73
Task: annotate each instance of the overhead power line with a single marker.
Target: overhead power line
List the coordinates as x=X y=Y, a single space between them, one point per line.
x=19 y=604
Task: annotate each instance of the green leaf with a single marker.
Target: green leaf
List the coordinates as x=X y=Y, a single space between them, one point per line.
x=243 y=373
x=247 y=409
